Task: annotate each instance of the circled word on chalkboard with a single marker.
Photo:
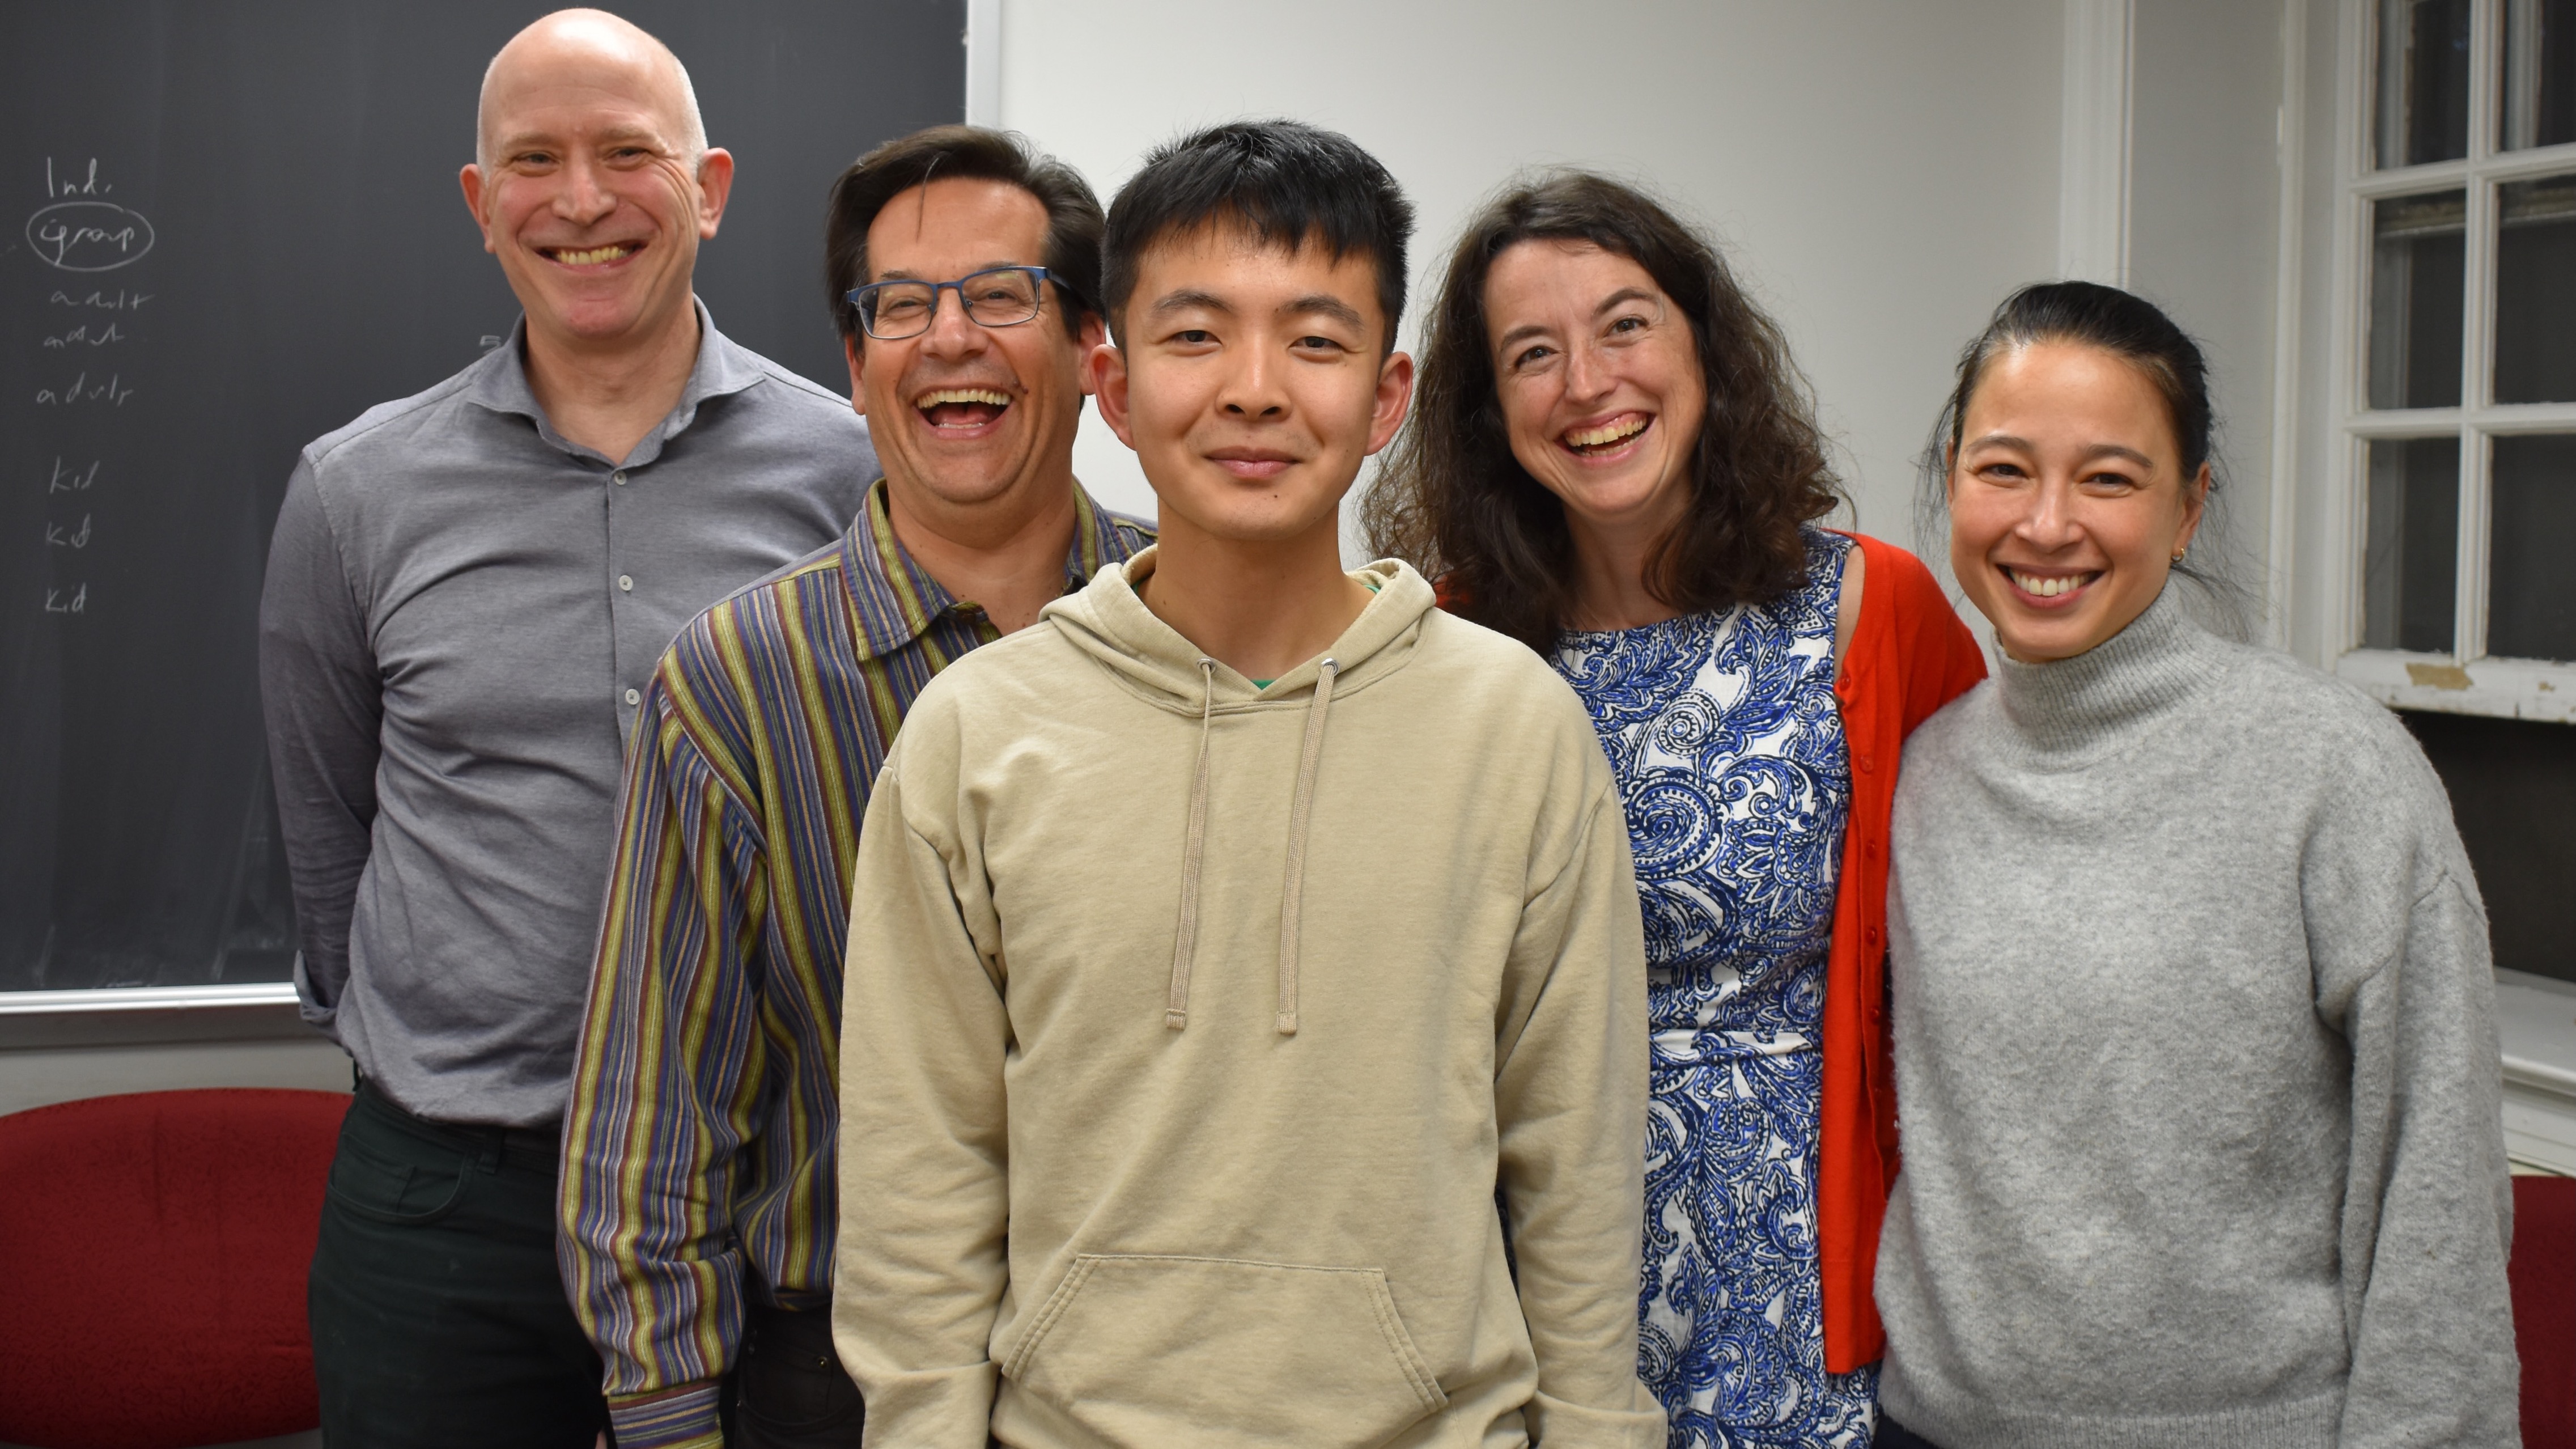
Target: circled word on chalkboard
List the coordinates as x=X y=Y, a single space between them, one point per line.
x=89 y=236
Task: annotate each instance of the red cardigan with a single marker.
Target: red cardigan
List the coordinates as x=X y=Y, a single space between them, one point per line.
x=1909 y=656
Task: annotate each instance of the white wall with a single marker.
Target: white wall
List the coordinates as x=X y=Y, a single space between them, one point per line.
x=2204 y=207
x=1881 y=174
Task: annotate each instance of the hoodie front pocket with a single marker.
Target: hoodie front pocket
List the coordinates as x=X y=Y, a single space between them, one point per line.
x=1224 y=1352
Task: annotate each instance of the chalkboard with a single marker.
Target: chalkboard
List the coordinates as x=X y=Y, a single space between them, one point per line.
x=233 y=225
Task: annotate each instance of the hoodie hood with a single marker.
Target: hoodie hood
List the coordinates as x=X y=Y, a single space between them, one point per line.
x=1108 y=622
x=1150 y=658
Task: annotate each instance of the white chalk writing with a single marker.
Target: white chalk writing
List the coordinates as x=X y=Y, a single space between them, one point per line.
x=112 y=391
x=83 y=334
x=117 y=301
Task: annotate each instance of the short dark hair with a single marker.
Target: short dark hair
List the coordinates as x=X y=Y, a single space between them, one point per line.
x=1074 y=222
x=1455 y=502
x=1286 y=182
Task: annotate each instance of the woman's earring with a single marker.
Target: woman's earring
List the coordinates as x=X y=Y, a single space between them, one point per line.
x=2178 y=553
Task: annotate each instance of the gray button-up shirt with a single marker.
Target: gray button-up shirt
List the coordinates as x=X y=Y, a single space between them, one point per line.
x=462 y=608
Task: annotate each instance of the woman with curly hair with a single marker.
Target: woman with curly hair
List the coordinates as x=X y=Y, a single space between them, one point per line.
x=1611 y=458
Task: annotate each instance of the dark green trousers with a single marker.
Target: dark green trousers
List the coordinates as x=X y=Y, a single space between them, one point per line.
x=439 y=1317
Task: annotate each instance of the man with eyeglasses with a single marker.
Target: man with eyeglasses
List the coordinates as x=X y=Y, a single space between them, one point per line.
x=699 y=1196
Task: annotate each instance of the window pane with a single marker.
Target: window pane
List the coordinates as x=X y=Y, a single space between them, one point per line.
x=2418 y=248
x=2535 y=320
x=2412 y=552
x=2531 y=595
x=2423 y=82
x=2539 y=73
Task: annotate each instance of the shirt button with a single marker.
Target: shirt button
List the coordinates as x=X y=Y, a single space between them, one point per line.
x=618 y=477
x=634 y=696
x=626 y=582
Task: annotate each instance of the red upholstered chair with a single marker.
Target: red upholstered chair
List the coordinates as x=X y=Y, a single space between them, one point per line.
x=153 y=1250
x=2544 y=1308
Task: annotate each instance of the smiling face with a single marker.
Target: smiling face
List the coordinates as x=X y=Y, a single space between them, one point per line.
x=1252 y=383
x=968 y=412
x=589 y=187
x=2067 y=498
x=1600 y=383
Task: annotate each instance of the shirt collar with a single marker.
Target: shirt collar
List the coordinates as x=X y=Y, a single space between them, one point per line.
x=894 y=601
x=500 y=383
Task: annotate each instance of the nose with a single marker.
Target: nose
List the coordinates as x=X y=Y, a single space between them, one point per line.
x=582 y=199
x=1587 y=374
x=2049 y=522
x=952 y=333
x=1251 y=387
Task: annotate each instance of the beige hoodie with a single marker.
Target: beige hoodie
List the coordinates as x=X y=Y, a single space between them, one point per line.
x=1190 y=1029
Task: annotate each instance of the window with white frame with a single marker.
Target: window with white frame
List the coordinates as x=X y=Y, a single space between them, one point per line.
x=2458 y=418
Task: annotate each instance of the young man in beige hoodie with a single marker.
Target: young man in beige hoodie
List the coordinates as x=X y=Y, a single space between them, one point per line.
x=1239 y=932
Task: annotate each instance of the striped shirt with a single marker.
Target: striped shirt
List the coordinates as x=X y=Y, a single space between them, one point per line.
x=699 y=1148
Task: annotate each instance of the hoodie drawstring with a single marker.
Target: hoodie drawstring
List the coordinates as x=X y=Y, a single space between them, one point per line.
x=1294 y=886
x=1176 y=1012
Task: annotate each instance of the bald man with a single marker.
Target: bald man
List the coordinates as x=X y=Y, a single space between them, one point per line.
x=466 y=596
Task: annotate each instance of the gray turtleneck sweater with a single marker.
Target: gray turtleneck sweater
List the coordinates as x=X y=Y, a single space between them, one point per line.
x=2196 y=1068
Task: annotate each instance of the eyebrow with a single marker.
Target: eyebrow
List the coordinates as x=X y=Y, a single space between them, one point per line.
x=522 y=140
x=1324 y=304
x=906 y=274
x=1190 y=297
x=2098 y=450
x=1533 y=329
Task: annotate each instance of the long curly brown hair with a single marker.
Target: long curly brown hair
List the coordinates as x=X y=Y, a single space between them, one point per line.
x=1455 y=503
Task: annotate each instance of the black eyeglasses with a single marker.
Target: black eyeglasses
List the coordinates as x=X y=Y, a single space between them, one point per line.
x=994 y=297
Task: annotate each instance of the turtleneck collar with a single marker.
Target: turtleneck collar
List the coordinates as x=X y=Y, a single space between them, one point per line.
x=2067 y=704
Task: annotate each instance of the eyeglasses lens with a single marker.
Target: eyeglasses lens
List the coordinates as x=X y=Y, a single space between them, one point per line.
x=1000 y=298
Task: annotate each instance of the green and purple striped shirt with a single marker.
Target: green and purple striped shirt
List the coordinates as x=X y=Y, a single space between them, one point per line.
x=699 y=1147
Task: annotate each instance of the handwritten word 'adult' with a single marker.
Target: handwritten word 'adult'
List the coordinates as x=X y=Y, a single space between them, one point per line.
x=59 y=536
x=70 y=480
x=89 y=236
x=81 y=390
x=82 y=334
x=55 y=603
x=117 y=301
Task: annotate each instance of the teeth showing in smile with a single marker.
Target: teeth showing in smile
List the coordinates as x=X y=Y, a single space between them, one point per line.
x=2049 y=586
x=1608 y=435
x=984 y=395
x=595 y=255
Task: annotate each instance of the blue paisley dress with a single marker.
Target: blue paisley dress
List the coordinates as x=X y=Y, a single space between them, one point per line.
x=1728 y=746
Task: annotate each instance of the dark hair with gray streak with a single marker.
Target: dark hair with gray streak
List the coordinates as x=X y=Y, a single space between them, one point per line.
x=942 y=153
x=2139 y=333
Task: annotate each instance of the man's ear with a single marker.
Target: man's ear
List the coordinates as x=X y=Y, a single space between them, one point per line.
x=471 y=181
x=1394 y=395
x=715 y=186
x=1087 y=339
x=1104 y=376
x=858 y=373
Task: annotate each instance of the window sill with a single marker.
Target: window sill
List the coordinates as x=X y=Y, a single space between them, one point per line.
x=2506 y=688
x=2536 y=1024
